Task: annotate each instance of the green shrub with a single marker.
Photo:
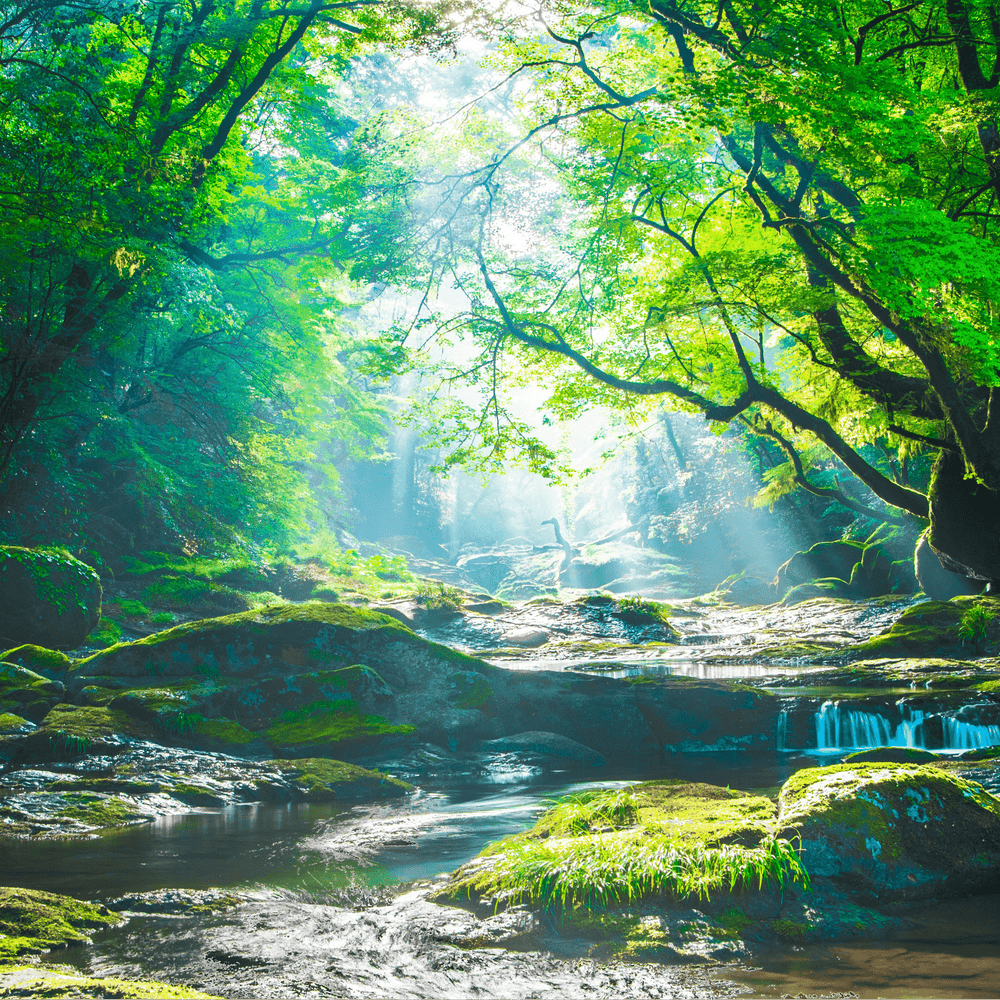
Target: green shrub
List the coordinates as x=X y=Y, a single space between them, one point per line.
x=974 y=624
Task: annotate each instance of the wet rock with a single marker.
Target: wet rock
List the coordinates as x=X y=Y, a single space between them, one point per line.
x=931 y=629
x=894 y=831
x=409 y=948
x=46 y=597
x=937 y=582
x=528 y=638
x=179 y=901
x=536 y=744
x=892 y=755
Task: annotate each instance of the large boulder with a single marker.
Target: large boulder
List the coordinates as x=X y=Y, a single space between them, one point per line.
x=47 y=598
x=822 y=561
x=894 y=832
x=312 y=679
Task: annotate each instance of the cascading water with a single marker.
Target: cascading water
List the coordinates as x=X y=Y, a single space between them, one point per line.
x=840 y=726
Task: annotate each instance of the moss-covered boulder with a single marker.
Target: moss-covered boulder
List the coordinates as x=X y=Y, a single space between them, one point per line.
x=320 y=680
x=323 y=780
x=891 y=755
x=46 y=597
x=32 y=921
x=267 y=642
x=893 y=832
x=660 y=839
x=26 y=693
x=935 y=629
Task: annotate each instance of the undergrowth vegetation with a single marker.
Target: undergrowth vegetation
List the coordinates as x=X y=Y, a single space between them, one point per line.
x=663 y=839
x=609 y=871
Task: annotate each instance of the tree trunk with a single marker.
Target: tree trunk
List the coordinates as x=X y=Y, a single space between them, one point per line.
x=965 y=520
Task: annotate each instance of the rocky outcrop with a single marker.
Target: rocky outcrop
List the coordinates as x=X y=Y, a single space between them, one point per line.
x=844 y=569
x=326 y=680
x=47 y=598
x=891 y=832
x=933 y=629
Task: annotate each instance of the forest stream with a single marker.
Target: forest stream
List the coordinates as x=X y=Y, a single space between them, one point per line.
x=330 y=899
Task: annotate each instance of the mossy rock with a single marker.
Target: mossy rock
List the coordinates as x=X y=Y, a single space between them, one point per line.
x=828 y=587
x=73 y=730
x=931 y=629
x=892 y=755
x=32 y=921
x=46 y=597
x=894 y=831
x=21 y=684
x=320 y=779
x=55 y=985
x=617 y=847
x=50 y=663
x=264 y=642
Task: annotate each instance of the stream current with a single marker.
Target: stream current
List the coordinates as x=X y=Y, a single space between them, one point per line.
x=327 y=919
x=336 y=905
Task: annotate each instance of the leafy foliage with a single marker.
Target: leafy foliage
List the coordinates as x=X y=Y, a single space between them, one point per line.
x=777 y=215
x=189 y=198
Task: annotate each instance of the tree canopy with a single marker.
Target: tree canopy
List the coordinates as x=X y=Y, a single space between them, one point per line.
x=187 y=191
x=779 y=214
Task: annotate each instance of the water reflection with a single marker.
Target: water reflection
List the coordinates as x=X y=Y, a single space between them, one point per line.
x=951 y=950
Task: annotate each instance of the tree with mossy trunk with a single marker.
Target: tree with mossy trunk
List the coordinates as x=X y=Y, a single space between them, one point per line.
x=783 y=216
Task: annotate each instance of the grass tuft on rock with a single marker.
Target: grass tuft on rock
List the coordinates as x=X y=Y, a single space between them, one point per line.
x=661 y=839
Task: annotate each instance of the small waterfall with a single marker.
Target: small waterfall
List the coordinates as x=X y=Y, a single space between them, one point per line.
x=960 y=735
x=841 y=726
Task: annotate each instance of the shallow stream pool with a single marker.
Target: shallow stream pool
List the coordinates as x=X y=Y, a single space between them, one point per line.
x=301 y=857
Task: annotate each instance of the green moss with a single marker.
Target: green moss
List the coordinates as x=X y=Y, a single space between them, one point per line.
x=789 y=930
x=60 y=579
x=33 y=921
x=134 y=608
x=224 y=730
x=472 y=690
x=94 y=694
x=67 y=723
x=10 y=721
x=99 y=811
x=106 y=633
x=932 y=628
x=315 y=612
x=195 y=795
x=869 y=799
x=109 y=786
x=659 y=838
x=59 y=985
x=734 y=921
x=319 y=777
x=328 y=722
x=38 y=658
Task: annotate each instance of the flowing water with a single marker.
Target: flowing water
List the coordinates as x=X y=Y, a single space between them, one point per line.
x=310 y=867
x=299 y=857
